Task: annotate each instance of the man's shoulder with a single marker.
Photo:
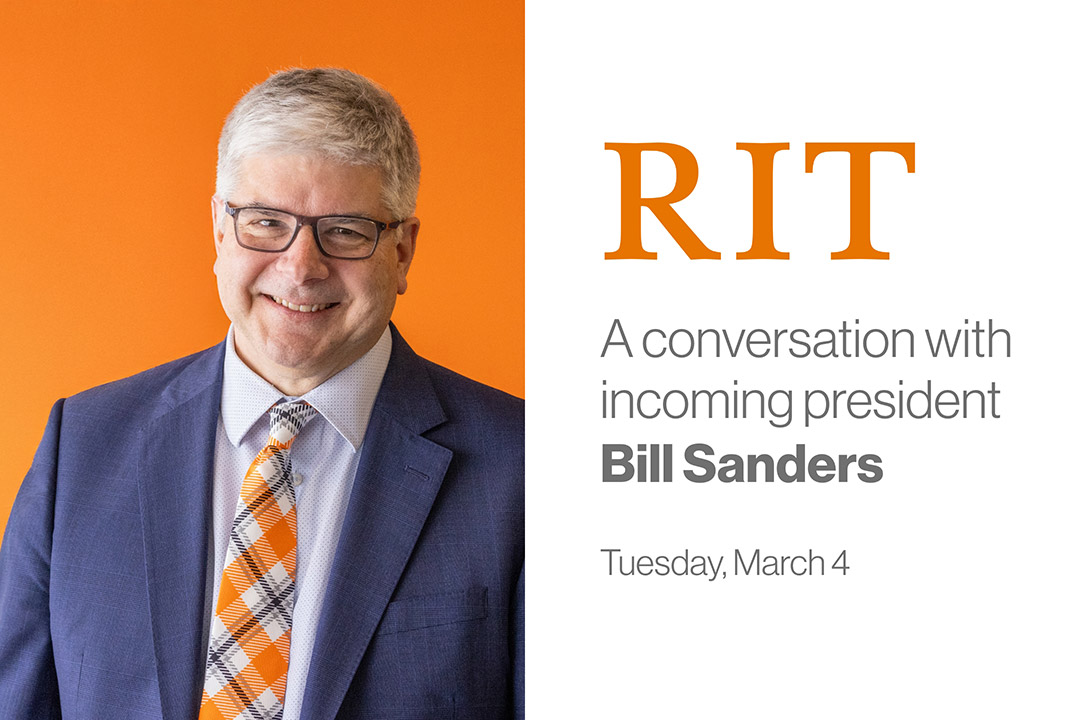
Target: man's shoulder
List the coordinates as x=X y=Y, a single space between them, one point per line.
x=144 y=394
x=466 y=394
x=485 y=429
x=433 y=394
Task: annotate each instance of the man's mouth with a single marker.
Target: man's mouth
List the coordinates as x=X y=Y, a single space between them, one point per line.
x=301 y=308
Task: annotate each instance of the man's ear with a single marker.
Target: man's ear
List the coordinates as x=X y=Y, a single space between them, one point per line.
x=217 y=216
x=406 y=248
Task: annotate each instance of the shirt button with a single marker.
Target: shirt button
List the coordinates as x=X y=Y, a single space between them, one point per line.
x=297 y=479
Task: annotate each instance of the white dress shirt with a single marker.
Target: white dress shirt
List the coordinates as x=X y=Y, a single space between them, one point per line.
x=325 y=456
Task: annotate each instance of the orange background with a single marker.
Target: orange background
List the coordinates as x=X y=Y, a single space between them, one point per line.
x=111 y=112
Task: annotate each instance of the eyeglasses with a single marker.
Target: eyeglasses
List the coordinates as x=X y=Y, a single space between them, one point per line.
x=347 y=237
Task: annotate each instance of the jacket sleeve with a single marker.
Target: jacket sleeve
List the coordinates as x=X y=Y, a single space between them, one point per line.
x=519 y=647
x=28 y=682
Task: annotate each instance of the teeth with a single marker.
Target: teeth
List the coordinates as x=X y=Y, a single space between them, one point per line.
x=301 y=308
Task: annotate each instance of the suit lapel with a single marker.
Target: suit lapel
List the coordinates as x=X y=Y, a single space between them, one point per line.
x=399 y=476
x=175 y=484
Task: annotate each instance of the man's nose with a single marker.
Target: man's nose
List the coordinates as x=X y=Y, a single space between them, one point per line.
x=303 y=261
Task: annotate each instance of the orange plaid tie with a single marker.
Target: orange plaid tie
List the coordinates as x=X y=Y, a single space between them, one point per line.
x=248 y=660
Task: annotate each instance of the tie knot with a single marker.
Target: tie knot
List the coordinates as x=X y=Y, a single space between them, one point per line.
x=287 y=419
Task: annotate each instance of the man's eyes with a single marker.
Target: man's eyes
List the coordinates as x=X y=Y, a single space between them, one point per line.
x=340 y=229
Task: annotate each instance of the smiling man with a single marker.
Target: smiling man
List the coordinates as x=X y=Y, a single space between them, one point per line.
x=308 y=294
x=307 y=521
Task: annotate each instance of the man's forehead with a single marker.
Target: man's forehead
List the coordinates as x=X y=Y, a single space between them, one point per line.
x=308 y=184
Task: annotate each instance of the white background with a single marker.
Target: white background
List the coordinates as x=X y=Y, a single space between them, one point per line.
x=962 y=596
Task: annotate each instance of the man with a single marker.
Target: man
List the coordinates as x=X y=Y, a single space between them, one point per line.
x=165 y=559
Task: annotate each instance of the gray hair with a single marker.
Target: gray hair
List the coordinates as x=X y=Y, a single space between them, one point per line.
x=330 y=113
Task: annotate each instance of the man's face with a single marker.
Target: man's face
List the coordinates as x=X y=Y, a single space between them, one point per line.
x=296 y=350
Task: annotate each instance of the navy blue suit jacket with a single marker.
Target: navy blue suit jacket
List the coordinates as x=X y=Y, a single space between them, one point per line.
x=103 y=569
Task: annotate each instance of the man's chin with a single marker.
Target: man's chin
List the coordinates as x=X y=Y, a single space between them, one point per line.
x=287 y=362
x=300 y=362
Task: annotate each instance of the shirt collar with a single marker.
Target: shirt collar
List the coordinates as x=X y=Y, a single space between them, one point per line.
x=345 y=400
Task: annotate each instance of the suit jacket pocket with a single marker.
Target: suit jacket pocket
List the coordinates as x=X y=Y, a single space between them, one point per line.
x=423 y=611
